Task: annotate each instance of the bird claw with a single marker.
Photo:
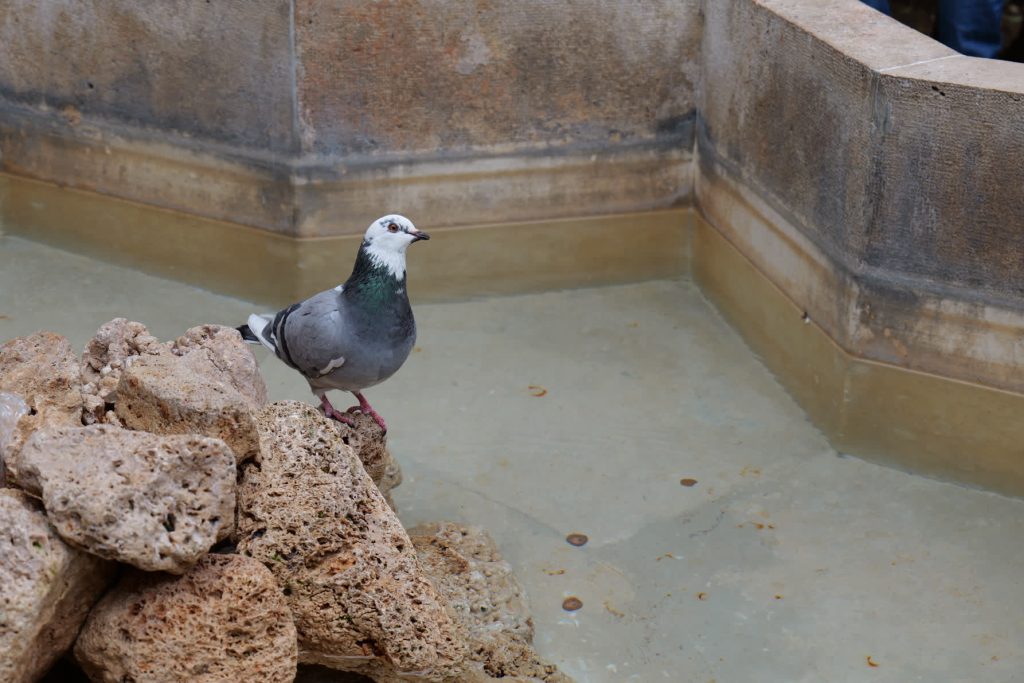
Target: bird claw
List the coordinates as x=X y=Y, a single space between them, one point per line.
x=340 y=417
x=332 y=413
x=365 y=408
x=360 y=410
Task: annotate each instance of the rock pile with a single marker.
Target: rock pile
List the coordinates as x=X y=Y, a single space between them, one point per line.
x=251 y=537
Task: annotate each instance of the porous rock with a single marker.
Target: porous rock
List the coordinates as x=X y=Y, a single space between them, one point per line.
x=369 y=442
x=12 y=409
x=156 y=502
x=46 y=589
x=179 y=395
x=466 y=567
x=225 y=621
x=223 y=349
x=41 y=368
x=308 y=510
x=114 y=347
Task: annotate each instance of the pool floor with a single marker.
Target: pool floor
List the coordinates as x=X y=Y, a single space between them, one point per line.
x=581 y=412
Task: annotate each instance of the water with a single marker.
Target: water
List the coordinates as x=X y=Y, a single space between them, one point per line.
x=580 y=412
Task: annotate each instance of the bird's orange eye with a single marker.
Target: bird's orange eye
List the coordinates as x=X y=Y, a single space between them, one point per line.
x=392 y=227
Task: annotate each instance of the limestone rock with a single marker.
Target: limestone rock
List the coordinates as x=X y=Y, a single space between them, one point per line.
x=175 y=395
x=41 y=368
x=469 y=572
x=12 y=409
x=369 y=442
x=46 y=589
x=225 y=621
x=308 y=510
x=223 y=349
x=115 y=346
x=156 y=502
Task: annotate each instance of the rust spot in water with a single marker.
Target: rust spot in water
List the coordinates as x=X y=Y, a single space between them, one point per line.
x=71 y=114
x=871 y=662
x=778 y=597
x=613 y=611
x=5 y=317
x=577 y=539
x=537 y=390
x=750 y=471
x=417 y=349
x=571 y=604
x=702 y=596
x=666 y=556
x=554 y=572
x=688 y=482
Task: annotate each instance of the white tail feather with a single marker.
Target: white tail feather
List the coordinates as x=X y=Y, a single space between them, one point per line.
x=257 y=323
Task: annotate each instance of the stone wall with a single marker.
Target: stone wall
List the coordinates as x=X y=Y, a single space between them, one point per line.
x=312 y=117
x=873 y=174
x=214 y=71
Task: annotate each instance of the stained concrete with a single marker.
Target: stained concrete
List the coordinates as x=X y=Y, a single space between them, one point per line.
x=215 y=70
x=448 y=75
x=889 y=155
x=783 y=562
x=285 y=114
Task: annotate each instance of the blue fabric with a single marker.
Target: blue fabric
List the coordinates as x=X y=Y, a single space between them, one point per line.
x=971 y=27
x=880 y=5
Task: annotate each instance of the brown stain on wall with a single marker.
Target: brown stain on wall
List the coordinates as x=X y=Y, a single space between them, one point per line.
x=379 y=76
x=217 y=70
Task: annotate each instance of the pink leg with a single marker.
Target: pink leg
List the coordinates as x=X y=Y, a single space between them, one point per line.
x=365 y=408
x=331 y=412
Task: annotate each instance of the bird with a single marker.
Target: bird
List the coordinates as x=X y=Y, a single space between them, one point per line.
x=355 y=335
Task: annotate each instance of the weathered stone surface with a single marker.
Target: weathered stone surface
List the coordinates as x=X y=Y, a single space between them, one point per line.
x=325 y=82
x=524 y=72
x=223 y=349
x=46 y=589
x=308 y=510
x=176 y=395
x=12 y=409
x=928 y=279
x=41 y=368
x=156 y=502
x=167 y=66
x=469 y=572
x=369 y=442
x=225 y=621
x=114 y=347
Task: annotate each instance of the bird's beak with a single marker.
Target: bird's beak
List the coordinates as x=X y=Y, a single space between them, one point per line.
x=420 y=235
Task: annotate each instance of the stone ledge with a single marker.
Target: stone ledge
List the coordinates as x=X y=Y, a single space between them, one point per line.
x=870 y=313
x=870 y=135
x=323 y=196
x=921 y=422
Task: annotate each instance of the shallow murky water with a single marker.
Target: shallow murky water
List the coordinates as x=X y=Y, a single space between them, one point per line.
x=726 y=541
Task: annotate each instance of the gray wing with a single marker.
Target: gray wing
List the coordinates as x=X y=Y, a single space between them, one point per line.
x=311 y=336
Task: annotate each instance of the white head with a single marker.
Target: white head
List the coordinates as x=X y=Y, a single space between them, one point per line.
x=386 y=240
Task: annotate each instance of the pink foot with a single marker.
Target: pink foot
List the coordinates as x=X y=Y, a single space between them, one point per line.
x=331 y=412
x=365 y=408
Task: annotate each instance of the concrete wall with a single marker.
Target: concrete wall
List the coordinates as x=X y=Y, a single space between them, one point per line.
x=400 y=76
x=875 y=176
x=219 y=71
x=312 y=117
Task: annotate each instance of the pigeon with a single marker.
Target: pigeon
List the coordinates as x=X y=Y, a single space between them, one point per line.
x=353 y=336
